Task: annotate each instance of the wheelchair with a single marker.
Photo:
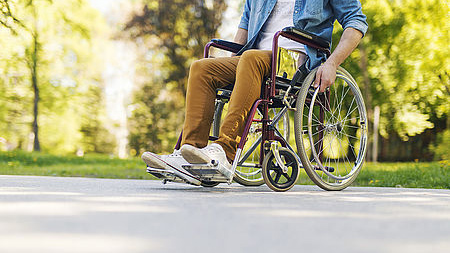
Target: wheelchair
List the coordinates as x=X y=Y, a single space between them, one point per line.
x=330 y=128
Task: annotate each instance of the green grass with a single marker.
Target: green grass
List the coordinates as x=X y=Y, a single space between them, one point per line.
x=435 y=175
x=415 y=175
x=98 y=166
x=409 y=175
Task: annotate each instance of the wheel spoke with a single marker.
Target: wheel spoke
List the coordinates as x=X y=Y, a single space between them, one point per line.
x=289 y=164
x=277 y=177
x=349 y=112
x=352 y=148
x=308 y=108
x=350 y=136
x=327 y=102
x=345 y=167
x=323 y=137
x=335 y=105
x=318 y=132
x=287 y=177
x=356 y=127
x=324 y=107
x=342 y=99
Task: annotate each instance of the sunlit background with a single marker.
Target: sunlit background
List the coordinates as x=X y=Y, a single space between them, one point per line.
x=108 y=76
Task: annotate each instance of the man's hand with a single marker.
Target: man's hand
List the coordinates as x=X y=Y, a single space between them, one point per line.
x=325 y=75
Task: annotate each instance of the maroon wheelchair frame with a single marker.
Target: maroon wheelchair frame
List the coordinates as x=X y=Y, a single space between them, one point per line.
x=268 y=93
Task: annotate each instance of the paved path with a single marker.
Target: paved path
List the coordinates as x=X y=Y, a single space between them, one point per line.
x=50 y=214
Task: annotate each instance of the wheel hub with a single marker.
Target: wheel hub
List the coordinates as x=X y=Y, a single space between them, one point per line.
x=333 y=127
x=339 y=126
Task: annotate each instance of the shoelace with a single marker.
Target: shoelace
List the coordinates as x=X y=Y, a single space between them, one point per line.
x=175 y=153
x=212 y=149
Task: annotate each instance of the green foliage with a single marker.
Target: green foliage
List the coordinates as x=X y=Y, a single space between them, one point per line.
x=402 y=66
x=408 y=55
x=441 y=149
x=7 y=16
x=66 y=71
x=407 y=70
x=171 y=41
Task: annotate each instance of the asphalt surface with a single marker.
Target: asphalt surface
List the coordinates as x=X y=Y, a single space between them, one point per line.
x=51 y=214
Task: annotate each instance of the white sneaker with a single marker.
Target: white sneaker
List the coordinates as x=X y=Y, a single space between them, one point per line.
x=172 y=162
x=210 y=154
x=159 y=162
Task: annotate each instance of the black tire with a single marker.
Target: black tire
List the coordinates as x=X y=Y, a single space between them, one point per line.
x=209 y=184
x=272 y=172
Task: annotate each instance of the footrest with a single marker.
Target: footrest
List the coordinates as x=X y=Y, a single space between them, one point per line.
x=206 y=172
x=166 y=175
x=327 y=168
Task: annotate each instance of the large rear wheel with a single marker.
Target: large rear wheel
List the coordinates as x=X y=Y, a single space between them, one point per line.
x=331 y=131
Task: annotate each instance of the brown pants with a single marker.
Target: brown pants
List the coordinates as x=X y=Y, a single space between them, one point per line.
x=246 y=72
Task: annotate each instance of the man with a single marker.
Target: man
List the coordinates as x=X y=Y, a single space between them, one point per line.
x=260 y=20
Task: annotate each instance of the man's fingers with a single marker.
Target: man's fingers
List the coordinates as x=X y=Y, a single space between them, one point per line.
x=325 y=83
x=318 y=77
x=323 y=88
x=325 y=76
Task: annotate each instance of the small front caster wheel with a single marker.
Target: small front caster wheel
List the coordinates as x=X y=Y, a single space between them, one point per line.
x=209 y=184
x=275 y=177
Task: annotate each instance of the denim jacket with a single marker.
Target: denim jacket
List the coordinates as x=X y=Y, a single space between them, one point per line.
x=314 y=16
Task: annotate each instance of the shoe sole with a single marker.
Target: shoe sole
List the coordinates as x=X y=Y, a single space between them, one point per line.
x=153 y=161
x=194 y=155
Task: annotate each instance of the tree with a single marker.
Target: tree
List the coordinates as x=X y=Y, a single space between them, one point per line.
x=171 y=42
x=53 y=52
x=7 y=17
x=404 y=68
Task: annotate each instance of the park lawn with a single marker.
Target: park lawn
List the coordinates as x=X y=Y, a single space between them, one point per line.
x=409 y=175
x=95 y=166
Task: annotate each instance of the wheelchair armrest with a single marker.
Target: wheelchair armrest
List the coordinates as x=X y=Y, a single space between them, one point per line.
x=311 y=39
x=227 y=45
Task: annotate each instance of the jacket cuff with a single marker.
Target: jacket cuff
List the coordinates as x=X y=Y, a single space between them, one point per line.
x=243 y=24
x=358 y=25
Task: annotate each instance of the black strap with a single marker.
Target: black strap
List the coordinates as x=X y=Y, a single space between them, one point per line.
x=299 y=75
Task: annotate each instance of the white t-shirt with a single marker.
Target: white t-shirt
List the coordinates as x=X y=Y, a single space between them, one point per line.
x=281 y=17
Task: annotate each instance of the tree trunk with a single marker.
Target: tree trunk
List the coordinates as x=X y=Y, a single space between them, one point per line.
x=34 y=83
x=367 y=95
x=376 y=123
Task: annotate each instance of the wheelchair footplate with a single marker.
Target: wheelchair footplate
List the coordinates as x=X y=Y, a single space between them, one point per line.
x=210 y=172
x=167 y=176
x=195 y=174
x=172 y=173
